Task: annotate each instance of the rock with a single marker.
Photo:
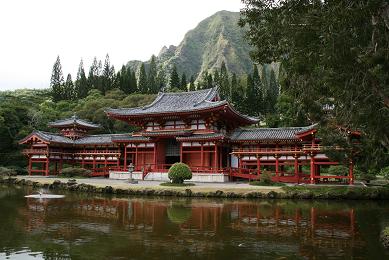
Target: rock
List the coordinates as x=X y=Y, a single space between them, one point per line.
x=188 y=192
x=219 y=193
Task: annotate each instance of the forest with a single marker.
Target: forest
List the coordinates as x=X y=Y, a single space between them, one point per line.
x=334 y=63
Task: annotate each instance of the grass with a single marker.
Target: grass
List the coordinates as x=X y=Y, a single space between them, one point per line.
x=170 y=184
x=262 y=183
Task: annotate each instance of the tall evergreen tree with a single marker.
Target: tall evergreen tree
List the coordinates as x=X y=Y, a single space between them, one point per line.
x=142 y=82
x=183 y=84
x=271 y=94
x=68 y=89
x=152 y=76
x=94 y=75
x=174 y=82
x=192 y=86
x=161 y=79
x=81 y=84
x=107 y=76
x=224 y=84
x=57 y=81
x=258 y=90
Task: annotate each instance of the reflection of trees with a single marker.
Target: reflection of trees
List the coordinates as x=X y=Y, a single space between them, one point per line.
x=84 y=227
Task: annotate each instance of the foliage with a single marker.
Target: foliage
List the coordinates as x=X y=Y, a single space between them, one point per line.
x=57 y=81
x=75 y=171
x=7 y=172
x=179 y=172
x=335 y=55
x=337 y=170
x=265 y=180
x=174 y=81
x=385 y=172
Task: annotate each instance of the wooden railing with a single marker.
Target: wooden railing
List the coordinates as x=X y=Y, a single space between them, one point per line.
x=35 y=151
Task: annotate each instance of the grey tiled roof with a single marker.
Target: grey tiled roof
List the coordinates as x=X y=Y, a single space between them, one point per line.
x=168 y=133
x=90 y=139
x=51 y=137
x=175 y=102
x=129 y=137
x=201 y=137
x=263 y=134
x=74 y=120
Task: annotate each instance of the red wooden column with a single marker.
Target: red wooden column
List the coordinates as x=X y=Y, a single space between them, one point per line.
x=277 y=164
x=296 y=168
x=29 y=165
x=202 y=155
x=258 y=164
x=125 y=157
x=155 y=156
x=136 y=157
x=220 y=157
x=312 y=177
x=215 y=162
x=351 y=172
x=47 y=166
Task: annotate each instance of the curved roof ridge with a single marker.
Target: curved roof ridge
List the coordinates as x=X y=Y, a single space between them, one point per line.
x=158 y=98
x=212 y=91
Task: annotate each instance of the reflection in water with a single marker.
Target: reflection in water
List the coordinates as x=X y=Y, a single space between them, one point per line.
x=104 y=228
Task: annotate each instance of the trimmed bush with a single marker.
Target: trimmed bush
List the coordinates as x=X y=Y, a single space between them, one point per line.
x=7 y=172
x=265 y=180
x=73 y=172
x=179 y=172
x=337 y=170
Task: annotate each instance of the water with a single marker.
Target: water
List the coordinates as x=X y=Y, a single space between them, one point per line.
x=100 y=227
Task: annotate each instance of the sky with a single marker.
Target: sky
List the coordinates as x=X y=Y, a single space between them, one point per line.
x=34 y=32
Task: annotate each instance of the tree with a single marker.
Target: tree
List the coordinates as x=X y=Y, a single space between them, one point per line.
x=258 y=90
x=183 y=83
x=57 y=81
x=94 y=75
x=224 y=84
x=237 y=93
x=271 y=94
x=192 y=86
x=161 y=79
x=108 y=76
x=68 y=89
x=142 y=82
x=81 y=84
x=152 y=76
x=335 y=53
x=174 y=82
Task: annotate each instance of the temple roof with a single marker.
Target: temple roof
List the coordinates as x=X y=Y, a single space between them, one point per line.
x=264 y=134
x=73 y=121
x=183 y=102
x=201 y=137
x=90 y=139
x=175 y=102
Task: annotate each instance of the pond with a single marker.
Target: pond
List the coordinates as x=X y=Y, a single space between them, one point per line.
x=82 y=226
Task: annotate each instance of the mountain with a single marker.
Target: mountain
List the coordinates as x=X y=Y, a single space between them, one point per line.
x=216 y=39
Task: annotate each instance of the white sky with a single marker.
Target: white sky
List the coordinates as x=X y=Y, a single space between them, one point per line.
x=34 y=32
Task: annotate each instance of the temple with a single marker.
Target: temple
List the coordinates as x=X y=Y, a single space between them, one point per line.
x=197 y=128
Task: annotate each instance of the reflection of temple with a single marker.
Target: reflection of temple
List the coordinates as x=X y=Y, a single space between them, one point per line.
x=298 y=227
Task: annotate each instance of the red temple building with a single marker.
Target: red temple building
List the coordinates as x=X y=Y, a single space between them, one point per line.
x=197 y=128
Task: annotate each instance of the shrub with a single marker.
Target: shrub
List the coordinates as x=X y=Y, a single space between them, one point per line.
x=385 y=172
x=338 y=170
x=73 y=171
x=265 y=178
x=367 y=177
x=7 y=172
x=19 y=170
x=179 y=172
